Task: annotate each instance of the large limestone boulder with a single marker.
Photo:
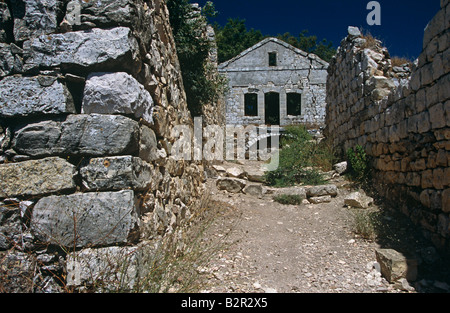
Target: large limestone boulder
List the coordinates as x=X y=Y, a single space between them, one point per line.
x=28 y=96
x=117 y=93
x=94 y=135
x=116 y=173
x=33 y=18
x=358 y=200
x=395 y=266
x=86 y=219
x=36 y=177
x=96 y=49
x=233 y=185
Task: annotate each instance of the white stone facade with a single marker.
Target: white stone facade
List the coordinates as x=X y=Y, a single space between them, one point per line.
x=273 y=69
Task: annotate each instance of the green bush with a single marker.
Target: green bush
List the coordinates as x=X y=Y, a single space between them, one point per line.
x=201 y=83
x=301 y=158
x=358 y=163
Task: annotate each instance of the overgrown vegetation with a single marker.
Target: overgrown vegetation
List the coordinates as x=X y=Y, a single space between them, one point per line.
x=358 y=163
x=234 y=37
x=201 y=84
x=367 y=224
x=301 y=159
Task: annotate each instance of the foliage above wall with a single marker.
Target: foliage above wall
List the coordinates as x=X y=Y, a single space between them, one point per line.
x=234 y=37
x=193 y=49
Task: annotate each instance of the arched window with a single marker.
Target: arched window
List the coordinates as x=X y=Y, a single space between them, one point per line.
x=294 y=104
x=251 y=104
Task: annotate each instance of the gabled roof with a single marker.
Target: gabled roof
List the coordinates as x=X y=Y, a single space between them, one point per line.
x=277 y=41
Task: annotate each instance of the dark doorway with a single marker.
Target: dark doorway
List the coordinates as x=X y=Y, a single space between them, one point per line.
x=272 y=108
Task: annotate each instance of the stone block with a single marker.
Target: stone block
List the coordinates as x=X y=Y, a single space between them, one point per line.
x=102 y=13
x=235 y=172
x=36 y=177
x=86 y=135
x=33 y=18
x=93 y=50
x=148 y=149
x=395 y=265
x=320 y=199
x=423 y=122
x=254 y=190
x=437 y=116
x=28 y=96
x=323 y=190
x=233 y=185
x=341 y=167
x=438 y=178
x=86 y=219
x=116 y=173
x=117 y=93
x=358 y=200
x=446 y=200
x=116 y=267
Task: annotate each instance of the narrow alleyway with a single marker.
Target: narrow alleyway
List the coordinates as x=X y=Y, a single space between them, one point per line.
x=307 y=248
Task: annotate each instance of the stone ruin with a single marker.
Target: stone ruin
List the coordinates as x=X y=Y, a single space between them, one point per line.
x=274 y=83
x=90 y=91
x=401 y=116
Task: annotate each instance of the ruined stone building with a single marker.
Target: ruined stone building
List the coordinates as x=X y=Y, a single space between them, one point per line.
x=274 y=83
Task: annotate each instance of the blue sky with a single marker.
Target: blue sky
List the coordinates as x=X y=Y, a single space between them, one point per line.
x=401 y=29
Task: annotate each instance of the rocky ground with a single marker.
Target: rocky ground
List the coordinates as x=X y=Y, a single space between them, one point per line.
x=308 y=248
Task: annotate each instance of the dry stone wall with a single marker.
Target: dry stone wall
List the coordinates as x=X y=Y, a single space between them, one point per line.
x=90 y=91
x=401 y=116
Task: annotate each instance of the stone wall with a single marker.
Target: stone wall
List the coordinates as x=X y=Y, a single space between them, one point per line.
x=401 y=116
x=90 y=91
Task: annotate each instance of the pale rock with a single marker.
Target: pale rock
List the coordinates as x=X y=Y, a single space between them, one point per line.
x=320 y=199
x=322 y=190
x=354 y=31
x=36 y=177
x=96 y=49
x=116 y=173
x=86 y=219
x=117 y=93
x=235 y=172
x=34 y=17
x=28 y=96
x=340 y=168
x=395 y=265
x=94 y=134
x=358 y=200
x=254 y=190
x=233 y=185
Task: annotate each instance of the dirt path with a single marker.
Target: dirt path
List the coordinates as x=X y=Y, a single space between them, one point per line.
x=307 y=248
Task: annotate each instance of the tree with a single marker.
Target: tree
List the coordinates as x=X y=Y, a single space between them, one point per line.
x=188 y=26
x=323 y=49
x=233 y=38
